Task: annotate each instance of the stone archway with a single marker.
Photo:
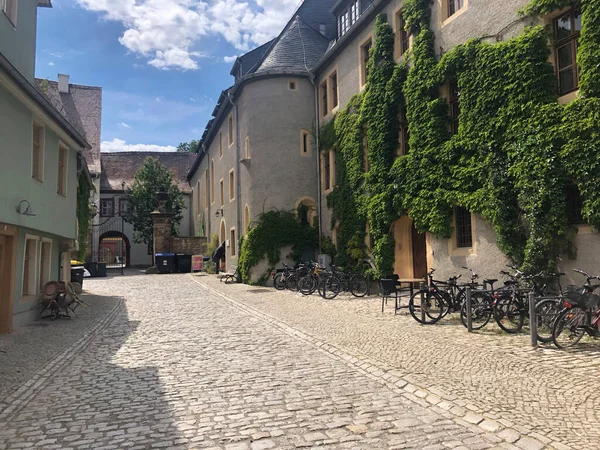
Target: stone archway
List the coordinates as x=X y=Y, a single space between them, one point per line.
x=114 y=249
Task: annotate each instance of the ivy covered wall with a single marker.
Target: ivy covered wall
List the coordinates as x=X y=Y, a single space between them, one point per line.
x=514 y=154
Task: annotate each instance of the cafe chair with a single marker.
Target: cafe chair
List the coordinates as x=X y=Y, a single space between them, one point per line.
x=388 y=290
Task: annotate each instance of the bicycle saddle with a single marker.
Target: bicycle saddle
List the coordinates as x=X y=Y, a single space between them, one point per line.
x=490 y=280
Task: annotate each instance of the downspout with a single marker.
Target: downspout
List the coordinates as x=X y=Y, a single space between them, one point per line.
x=317 y=141
x=238 y=187
x=208 y=183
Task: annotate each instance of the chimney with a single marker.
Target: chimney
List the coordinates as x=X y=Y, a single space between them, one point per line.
x=63 y=83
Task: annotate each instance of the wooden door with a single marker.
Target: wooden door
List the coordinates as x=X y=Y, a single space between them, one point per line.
x=419 y=248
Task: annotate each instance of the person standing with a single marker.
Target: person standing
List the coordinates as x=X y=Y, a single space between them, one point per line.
x=218 y=255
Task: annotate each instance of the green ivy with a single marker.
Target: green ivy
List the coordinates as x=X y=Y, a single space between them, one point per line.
x=84 y=215
x=271 y=232
x=514 y=154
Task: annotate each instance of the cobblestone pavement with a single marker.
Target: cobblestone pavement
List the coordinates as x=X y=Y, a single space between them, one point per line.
x=181 y=366
x=554 y=393
x=35 y=345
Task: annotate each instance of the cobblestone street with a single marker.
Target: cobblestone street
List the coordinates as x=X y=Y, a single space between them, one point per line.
x=193 y=363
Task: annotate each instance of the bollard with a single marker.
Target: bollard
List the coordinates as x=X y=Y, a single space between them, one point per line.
x=469 y=311
x=422 y=288
x=532 y=319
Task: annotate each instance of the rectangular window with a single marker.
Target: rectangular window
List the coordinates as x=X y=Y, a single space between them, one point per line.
x=45 y=263
x=333 y=85
x=222 y=191
x=230 y=127
x=232 y=242
x=304 y=143
x=464 y=236
x=326 y=172
x=454 y=101
x=348 y=17
x=207 y=186
x=333 y=164
x=365 y=52
x=566 y=30
x=63 y=154
x=574 y=205
x=37 y=156
x=324 y=99
x=30 y=264
x=231 y=185
x=107 y=207
x=10 y=10
x=198 y=198
x=403 y=148
x=124 y=207
x=220 y=144
x=212 y=181
x=454 y=6
x=402 y=36
x=292 y=85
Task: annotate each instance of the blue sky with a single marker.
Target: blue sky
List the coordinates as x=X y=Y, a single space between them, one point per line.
x=161 y=63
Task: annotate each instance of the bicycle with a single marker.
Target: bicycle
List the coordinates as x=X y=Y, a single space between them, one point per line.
x=280 y=277
x=581 y=315
x=337 y=280
x=429 y=305
x=482 y=302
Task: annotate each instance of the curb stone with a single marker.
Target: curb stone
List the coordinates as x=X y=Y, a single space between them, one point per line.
x=386 y=375
x=22 y=396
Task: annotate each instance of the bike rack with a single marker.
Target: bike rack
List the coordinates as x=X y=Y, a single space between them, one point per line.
x=532 y=320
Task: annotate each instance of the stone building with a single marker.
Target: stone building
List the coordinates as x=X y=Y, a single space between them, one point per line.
x=259 y=151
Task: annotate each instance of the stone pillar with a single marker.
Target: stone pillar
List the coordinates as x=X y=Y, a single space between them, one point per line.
x=162 y=232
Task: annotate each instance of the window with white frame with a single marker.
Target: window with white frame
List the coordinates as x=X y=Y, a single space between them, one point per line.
x=230 y=129
x=348 y=17
x=9 y=8
x=63 y=155
x=231 y=185
x=30 y=264
x=37 y=155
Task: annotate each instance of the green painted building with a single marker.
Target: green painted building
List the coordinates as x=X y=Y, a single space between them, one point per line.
x=40 y=159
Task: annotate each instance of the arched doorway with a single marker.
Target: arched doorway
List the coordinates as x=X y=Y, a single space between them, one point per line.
x=114 y=249
x=411 y=250
x=223 y=238
x=307 y=210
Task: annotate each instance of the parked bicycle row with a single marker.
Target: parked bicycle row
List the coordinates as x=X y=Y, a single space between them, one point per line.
x=561 y=316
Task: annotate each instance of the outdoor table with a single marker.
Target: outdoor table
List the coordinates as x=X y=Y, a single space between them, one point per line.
x=410 y=284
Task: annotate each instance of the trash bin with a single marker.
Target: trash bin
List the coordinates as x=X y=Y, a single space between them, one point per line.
x=77 y=275
x=92 y=268
x=183 y=262
x=165 y=262
x=101 y=272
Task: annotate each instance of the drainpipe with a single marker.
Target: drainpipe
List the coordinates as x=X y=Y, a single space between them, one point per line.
x=238 y=187
x=317 y=140
x=209 y=181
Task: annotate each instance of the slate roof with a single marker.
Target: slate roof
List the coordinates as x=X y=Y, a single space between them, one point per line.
x=245 y=63
x=297 y=49
x=82 y=107
x=119 y=167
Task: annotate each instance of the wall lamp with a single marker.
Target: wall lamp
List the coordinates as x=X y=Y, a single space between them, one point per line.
x=219 y=212
x=27 y=211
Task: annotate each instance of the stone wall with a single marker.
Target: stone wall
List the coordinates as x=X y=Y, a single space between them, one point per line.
x=189 y=245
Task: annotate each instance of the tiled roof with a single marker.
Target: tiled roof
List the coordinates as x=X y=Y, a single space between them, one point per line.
x=297 y=49
x=121 y=167
x=82 y=107
x=245 y=63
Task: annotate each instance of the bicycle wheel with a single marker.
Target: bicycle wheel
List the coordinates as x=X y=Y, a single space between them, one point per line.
x=305 y=285
x=546 y=312
x=427 y=309
x=509 y=314
x=292 y=282
x=279 y=281
x=481 y=310
x=329 y=287
x=569 y=327
x=358 y=286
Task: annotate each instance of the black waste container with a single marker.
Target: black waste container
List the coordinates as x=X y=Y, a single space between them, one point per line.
x=92 y=268
x=101 y=270
x=165 y=262
x=77 y=275
x=183 y=262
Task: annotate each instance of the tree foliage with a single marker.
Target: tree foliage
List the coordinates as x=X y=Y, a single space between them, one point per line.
x=153 y=177
x=189 y=147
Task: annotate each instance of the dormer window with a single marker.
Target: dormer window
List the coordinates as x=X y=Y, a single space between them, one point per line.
x=348 y=17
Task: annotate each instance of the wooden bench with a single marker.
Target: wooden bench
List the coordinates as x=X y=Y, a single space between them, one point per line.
x=232 y=275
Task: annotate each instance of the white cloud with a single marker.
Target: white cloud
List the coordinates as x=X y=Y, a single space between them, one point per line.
x=230 y=59
x=119 y=145
x=168 y=32
x=192 y=99
x=50 y=63
x=124 y=125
